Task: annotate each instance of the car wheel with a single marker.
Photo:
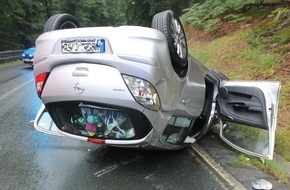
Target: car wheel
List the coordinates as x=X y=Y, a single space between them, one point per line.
x=170 y=25
x=61 y=21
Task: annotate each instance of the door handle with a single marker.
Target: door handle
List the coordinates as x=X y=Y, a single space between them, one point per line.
x=247 y=105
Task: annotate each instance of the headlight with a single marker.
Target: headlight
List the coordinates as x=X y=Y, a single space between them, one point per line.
x=143 y=92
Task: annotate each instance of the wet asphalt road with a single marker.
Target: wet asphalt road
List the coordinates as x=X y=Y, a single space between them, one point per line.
x=32 y=160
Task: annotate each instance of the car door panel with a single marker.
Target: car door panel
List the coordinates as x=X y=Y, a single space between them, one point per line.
x=244 y=104
x=248 y=113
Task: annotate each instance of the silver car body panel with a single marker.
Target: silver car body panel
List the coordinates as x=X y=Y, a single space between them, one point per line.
x=130 y=50
x=147 y=56
x=139 y=52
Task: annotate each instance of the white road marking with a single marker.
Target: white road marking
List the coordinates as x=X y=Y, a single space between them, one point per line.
x=149 y=177
x=107 y=170
x=113 y=167
x=15 y=89
x=214 y=165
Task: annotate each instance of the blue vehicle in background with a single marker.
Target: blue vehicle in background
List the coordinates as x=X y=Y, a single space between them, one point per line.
x=28 y=55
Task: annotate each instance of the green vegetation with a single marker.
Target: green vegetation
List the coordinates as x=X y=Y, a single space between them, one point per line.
x=251 y=41
x=233 y=55
x=209 y=14
x=21 y=21
x=246 y=53
x=5 y=63
x=273 y=35
x=271 y=167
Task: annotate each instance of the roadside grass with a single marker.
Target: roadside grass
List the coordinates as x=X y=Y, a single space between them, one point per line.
x=282 y=141
x=259 y=65
x=4 y=63
x=268 y=166
x=235 y=56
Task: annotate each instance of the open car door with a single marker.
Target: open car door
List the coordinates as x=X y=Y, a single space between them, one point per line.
x=44 y=123
x=248 y=113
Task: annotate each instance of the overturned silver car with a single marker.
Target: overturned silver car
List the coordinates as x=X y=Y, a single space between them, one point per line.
x=133 y=86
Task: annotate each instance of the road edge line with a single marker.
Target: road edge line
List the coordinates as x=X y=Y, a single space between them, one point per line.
x=217 y=168
x=15 y=89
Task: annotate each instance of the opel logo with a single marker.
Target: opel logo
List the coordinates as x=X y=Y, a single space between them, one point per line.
x=79 y=89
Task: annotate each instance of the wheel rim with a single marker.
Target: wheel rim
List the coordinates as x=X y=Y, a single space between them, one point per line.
x=68 y=24
x=178 y=38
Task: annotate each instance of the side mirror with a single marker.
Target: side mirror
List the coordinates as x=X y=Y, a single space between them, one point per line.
x=44 y=123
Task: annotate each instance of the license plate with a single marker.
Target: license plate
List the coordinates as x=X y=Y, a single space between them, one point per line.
x=83 y=46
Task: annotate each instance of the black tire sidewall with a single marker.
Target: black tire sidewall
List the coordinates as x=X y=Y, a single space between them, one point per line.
x=162 y=21
x=56 y=21
x=180 y=62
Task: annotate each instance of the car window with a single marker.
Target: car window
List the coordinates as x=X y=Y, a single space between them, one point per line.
x=176 y=129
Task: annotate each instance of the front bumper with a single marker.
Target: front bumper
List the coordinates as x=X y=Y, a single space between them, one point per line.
x=27 y=60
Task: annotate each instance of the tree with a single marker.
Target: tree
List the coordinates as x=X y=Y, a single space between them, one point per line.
x=20 y=23
x=209 y=14
x=141 y=12
x=47 y=4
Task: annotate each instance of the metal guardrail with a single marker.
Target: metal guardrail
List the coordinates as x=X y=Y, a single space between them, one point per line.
x=11 y=54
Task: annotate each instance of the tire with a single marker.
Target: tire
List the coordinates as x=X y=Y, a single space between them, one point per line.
x=170 y=25
x=61 y=21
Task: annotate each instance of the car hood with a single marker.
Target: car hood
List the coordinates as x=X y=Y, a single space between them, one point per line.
x=30 y=51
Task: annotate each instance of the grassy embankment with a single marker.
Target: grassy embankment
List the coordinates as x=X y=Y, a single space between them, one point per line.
x=258 y=49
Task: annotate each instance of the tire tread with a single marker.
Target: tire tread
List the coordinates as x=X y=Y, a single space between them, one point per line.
x=55 y=21
x=162 y=22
